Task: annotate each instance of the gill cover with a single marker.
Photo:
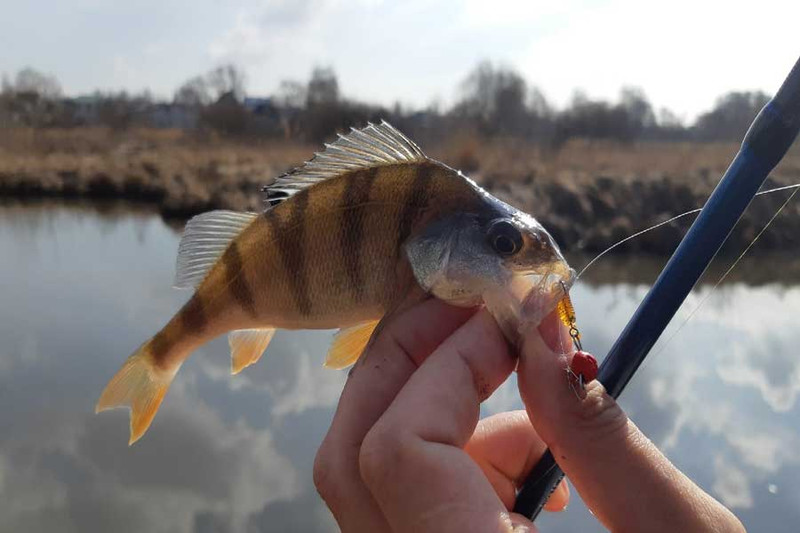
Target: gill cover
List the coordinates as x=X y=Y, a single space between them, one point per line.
x=451 y=258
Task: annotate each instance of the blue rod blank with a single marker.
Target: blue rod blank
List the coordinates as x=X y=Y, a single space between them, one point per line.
x=769 y=137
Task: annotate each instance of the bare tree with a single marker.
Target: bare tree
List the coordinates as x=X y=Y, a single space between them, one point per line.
x=291 y=100
x=497 y=98
x=638 y=108
x=323 y=88
x=668 y=119
x=31 y=81
x=731 y=115
x=227 y=79
x=291 y=94
x=121 y=110
x=194 y=93
x=537 y=103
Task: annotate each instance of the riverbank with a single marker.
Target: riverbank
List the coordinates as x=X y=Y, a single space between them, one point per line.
x=589 y=195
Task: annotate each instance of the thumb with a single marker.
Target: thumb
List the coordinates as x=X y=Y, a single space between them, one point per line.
x=619 y=473
x=562 y=419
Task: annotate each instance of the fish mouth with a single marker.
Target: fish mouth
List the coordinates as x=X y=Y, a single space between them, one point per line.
x=528 y=297
x=541 y=290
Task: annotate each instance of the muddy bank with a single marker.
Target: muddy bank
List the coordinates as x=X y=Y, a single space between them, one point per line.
x=597 y=213
x=589 y=215
x=584 y=210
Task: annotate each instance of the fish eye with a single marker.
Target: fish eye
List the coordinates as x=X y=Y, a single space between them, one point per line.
x=505 y=238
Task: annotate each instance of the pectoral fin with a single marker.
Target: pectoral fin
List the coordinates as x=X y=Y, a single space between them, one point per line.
x=247 y=346
x=349 y=344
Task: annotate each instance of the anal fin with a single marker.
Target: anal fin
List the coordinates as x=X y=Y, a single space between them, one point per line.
x=349 y=344
x=247 y=346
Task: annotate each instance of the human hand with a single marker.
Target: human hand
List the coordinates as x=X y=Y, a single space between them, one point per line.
x=622 y=477
x=403 y=452
x=406 y=452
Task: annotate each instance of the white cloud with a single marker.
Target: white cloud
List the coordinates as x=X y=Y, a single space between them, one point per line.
x=314 y=386
x=723 y=389
x=761 y=332
x=213 y=466
x=732 y=485
x=480 y=14
x=766 y=452
x=683 y=54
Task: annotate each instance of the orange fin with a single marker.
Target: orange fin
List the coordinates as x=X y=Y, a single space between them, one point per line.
x=247 y=346
x=349 y=344
x=140 y=386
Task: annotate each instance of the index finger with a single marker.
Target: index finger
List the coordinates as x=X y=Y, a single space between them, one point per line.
x=413 y=460
x=398 y=350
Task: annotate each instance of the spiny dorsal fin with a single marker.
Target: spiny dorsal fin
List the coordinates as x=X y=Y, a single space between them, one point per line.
x=375 y=145
x=204 y=240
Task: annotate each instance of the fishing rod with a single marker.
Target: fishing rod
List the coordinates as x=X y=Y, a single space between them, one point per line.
x=767 y=140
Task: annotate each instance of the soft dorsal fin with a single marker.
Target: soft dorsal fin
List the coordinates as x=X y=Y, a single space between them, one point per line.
x=376 y=145
x=204 y=240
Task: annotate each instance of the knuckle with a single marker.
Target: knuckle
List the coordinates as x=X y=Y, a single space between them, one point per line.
x=379 y=454
x=599 y=414
x=324 y=473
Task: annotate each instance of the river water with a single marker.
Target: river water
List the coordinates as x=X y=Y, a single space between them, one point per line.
x=82 y=286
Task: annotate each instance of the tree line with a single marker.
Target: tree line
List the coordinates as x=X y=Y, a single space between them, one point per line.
x=494 y=101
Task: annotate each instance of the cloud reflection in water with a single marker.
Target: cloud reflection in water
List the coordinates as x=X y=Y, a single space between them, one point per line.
x=235 y=453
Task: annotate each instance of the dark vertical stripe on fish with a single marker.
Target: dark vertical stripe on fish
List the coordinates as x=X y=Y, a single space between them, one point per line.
x=290 y=235
x=356 y=194
x=416 y=202
x=236 y=280
x=193 y=317
x=159 y=346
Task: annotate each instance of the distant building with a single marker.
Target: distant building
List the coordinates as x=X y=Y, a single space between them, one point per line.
x=265 y=116
x=85 y=110
x=258 y=105
x=172 y=116
x=251 y=115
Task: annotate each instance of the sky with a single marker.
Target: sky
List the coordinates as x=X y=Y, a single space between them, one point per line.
x=682 y=53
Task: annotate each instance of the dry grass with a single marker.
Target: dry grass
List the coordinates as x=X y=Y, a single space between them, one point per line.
x=589 y=194
x=498 y=160
x=183 y=172
x=512 y=160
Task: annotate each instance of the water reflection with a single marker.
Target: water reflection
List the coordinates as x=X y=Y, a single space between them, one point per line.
x=81 y=288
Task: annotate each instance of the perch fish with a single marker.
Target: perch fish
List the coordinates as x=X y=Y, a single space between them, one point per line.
x=350 y=237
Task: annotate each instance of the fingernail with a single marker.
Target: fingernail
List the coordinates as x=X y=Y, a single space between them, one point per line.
x=520 y=524
x=521 y=528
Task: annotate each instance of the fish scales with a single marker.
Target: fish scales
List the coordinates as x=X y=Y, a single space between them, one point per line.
x=347 y=237
x=353 y=231
x=274 y=248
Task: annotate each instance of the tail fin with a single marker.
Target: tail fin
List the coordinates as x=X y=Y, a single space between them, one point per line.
x=139 y=385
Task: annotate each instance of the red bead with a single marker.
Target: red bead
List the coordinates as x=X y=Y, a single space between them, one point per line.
x=584 y=363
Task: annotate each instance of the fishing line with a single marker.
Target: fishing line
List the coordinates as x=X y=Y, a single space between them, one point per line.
x=796 y=186
x=730 y=269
